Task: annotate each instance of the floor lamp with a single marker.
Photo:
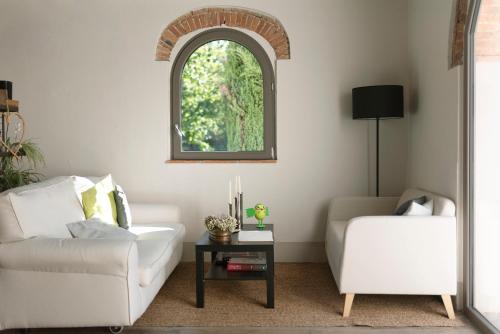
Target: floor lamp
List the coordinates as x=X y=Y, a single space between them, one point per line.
x=377 y=102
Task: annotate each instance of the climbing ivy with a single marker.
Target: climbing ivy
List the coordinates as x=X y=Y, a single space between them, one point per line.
x=222 y=99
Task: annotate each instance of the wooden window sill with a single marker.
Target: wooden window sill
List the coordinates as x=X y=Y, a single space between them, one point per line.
x=221 y=161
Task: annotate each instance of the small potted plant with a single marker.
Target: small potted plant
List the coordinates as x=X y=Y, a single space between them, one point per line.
x=220 y=227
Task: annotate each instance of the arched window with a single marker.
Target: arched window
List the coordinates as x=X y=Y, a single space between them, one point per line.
x=223 y=99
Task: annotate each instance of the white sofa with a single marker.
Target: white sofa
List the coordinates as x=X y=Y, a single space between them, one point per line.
x=371 y=251
x=48 y=281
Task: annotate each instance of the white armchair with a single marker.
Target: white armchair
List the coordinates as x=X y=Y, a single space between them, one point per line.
x=370 y=251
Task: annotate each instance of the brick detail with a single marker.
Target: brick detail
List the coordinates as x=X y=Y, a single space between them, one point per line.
x=487 y=38
x=268 y=27
x=458 y=46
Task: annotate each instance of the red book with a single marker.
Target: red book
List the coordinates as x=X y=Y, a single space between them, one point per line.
x=246 y=267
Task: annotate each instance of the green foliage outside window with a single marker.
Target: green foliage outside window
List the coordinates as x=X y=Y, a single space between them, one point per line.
x=222 y=99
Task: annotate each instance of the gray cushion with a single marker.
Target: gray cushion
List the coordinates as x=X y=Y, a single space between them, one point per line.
x=96 y=229
x=406 y=205
x=416 y=209
x=123 y=215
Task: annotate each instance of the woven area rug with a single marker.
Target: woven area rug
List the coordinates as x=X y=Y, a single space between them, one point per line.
x=306 y=295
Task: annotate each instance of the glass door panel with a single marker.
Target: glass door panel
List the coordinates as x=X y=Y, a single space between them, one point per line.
x=486 y=163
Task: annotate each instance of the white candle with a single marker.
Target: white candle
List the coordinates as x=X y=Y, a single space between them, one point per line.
x=236 y=185
x=230 y=198
x=239 y=184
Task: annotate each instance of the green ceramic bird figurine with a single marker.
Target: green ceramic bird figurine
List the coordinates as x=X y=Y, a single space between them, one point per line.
x=260 y=211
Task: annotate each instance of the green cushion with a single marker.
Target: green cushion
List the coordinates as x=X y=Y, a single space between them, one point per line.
x=99 y=201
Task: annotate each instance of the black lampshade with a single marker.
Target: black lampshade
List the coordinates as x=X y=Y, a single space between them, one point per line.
x=372 y=102
x=7 y=85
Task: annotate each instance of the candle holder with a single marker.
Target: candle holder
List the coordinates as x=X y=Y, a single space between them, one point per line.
x=236 y=212
x=235 y=204
x=240 y=218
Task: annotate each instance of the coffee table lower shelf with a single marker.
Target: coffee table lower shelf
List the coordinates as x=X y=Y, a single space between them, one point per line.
x=219 y=272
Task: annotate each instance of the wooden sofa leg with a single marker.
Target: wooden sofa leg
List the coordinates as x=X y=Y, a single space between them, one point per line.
x=349 y=297
x=448 y=306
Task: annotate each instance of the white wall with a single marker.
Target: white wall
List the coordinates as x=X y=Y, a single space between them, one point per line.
x=435 y=105
x=435 y=98
x=97 y=102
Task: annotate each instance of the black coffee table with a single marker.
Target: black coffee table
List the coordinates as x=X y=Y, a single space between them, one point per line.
x=219 y=272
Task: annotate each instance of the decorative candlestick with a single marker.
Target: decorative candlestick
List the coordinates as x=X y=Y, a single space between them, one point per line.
x=240 y=220
x=230 y=200
x=236 y=212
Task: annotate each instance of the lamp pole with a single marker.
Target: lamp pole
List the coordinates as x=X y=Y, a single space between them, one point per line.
x=376 y=103
x=377 y=163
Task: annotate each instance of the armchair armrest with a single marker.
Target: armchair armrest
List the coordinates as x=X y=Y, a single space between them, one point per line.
x=345 y=208
x=400 y=255
x=154 y=213
x=91 y=256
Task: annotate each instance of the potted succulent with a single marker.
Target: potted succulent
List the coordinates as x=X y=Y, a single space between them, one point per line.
x=220 y=227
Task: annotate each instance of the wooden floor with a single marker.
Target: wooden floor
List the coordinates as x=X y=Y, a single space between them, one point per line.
x=259 y=330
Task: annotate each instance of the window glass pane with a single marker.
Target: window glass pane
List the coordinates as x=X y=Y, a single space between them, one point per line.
x=486 y=224
x=222 y=100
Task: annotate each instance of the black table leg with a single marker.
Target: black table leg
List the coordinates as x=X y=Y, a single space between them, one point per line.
x=270 y=278
x=214 y=255
x=200 y=272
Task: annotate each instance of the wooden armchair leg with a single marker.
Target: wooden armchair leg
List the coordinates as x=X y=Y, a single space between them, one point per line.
x=448 y=306
x=349 y=297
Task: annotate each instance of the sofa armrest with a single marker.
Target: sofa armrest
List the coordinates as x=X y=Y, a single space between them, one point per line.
x=400 y=255
x=345 y=208
x=89 y=256
x=143 y=213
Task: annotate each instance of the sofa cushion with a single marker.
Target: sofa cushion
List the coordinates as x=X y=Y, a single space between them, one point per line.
x=82 y=184
x=155 y=245
x=416 y=209
x=10 y=230
x=37 y=185
x=9 y=226
x=123 y=214
x=402 y=208
x=45 y=211
x=96 y=229
x=442 y=206
x=99 y=201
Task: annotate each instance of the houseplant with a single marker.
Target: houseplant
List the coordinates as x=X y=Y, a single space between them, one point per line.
x=19 y=157
x=220 y=227
x=19 y=169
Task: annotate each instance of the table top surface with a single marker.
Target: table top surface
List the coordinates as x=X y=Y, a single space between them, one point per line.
x=205 y=240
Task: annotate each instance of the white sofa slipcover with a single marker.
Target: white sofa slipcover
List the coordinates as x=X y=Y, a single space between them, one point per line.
x=370 y=251
x=56 y=282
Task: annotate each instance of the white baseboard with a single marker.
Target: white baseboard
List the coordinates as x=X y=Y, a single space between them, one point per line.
x=283 y=252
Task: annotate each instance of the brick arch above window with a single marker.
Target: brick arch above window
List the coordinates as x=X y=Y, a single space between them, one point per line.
x=458 y=45
x=266 y=26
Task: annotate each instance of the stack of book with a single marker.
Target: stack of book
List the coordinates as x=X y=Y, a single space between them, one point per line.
x=247 y=262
